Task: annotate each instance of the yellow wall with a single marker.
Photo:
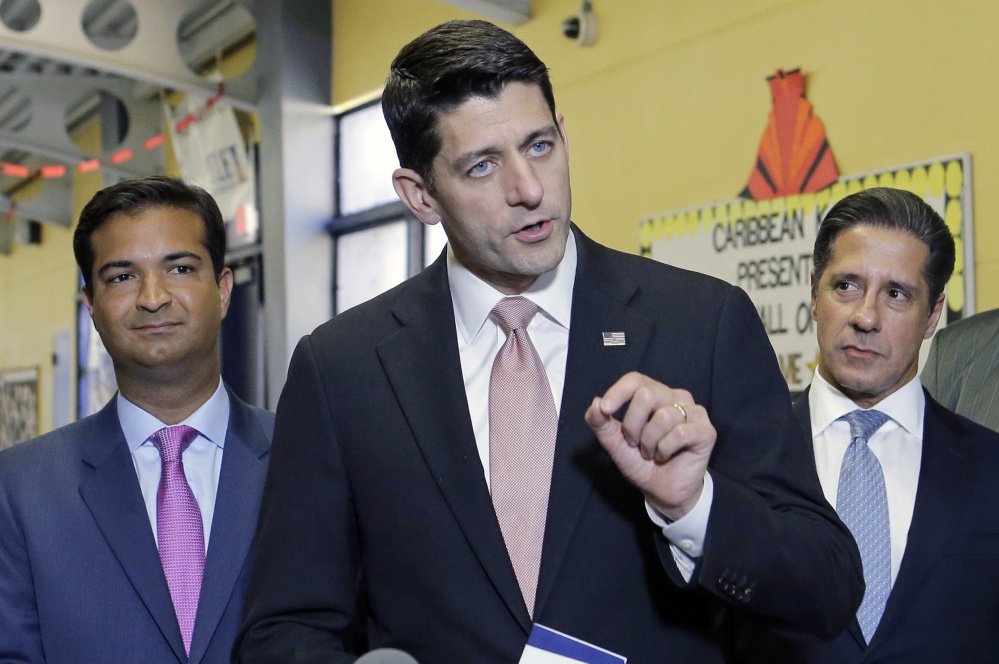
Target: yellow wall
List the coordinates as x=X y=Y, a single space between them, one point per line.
x=35 y=303
x=666 y=110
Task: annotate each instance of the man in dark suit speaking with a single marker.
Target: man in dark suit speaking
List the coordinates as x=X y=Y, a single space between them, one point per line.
x=914 y=482
x=536 y=429
x=124 y=537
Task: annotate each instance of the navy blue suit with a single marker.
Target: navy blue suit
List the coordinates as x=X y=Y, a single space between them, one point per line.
x=80 y=576
x=377 y=517
x=944 y=605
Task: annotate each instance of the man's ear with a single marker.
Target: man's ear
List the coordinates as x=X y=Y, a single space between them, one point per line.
x=815 y=288
x=560 y=119
x=931 y=324
x=225 y=289
x=413 y=191
x=86 y=300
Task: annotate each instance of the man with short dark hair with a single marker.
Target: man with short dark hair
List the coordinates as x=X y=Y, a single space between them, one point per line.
x=522 y=433
x=915 y=483
x=124 y=537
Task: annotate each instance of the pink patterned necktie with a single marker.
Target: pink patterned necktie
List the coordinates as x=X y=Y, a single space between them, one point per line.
x=179 y=532
x=522 y=428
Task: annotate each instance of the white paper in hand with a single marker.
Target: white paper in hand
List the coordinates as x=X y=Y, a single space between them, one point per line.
x=549 y=646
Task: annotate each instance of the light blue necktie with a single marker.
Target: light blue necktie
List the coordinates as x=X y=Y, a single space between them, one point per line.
x=862 y=504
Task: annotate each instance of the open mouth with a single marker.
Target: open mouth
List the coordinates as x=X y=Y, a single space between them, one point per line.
x=535 y=232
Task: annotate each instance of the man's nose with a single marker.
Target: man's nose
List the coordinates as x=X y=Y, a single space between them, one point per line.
x=153 y=293
x=866 y=315
x=524 y=188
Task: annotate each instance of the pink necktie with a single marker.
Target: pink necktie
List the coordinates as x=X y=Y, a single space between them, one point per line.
x=522 y=428
x=180 y=535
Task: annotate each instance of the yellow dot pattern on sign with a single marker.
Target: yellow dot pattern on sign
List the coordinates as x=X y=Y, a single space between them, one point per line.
x=903 y=181
x=837 y=193
x=735 y=210
x=886 y=179
x=954 y=179
x=955 y=294
x=935 y=179
x=692 y=221
x=954 y=216
x=919 y=181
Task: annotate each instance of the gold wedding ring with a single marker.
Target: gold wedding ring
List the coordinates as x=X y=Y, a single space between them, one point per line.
x=682 y=411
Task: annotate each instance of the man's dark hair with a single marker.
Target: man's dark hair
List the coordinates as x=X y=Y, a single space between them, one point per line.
x=133 y=197
x=443 y=68
x=883 y=207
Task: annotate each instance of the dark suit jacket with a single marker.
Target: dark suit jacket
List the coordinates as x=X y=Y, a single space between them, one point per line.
x=962 y=369
x=944 y=606
x=376 y=494
x=80 y=577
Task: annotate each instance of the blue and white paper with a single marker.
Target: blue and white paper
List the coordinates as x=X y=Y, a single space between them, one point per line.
x=548 y=646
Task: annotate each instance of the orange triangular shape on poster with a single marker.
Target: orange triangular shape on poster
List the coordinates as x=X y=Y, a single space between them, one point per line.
x=794 y=155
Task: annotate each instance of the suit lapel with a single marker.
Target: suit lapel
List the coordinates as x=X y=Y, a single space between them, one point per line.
x=421 y=363
x=111 y=493
x=599 y=304
x=945 y=475
x=237 y=499
x=801 y=411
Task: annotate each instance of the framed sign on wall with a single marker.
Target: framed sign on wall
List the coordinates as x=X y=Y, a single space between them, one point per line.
x=18 y=406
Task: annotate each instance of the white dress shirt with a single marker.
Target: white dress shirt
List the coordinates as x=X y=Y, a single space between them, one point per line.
x=898 y=445
x=480 y=338
x=202 y=458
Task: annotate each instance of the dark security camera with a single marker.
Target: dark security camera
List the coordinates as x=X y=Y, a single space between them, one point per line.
x=581 y=28
x=570 y=27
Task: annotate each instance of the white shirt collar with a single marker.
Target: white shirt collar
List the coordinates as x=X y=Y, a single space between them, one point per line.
x=474 y=298
x=905 y=406
x=211 y=420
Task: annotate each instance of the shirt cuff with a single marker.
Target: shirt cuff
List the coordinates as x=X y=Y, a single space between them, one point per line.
x=686 y=534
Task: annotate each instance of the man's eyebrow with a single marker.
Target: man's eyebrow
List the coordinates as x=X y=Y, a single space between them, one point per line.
x=902 y=285
x=182 y=255
x=115 y=265
x=464 y=161
x=545 y=132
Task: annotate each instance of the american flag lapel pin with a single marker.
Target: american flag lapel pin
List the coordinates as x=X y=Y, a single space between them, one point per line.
x=613 y=338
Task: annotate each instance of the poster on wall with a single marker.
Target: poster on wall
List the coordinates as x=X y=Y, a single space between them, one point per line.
x=18 y=406
x=212 y=154
x=765 y=248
